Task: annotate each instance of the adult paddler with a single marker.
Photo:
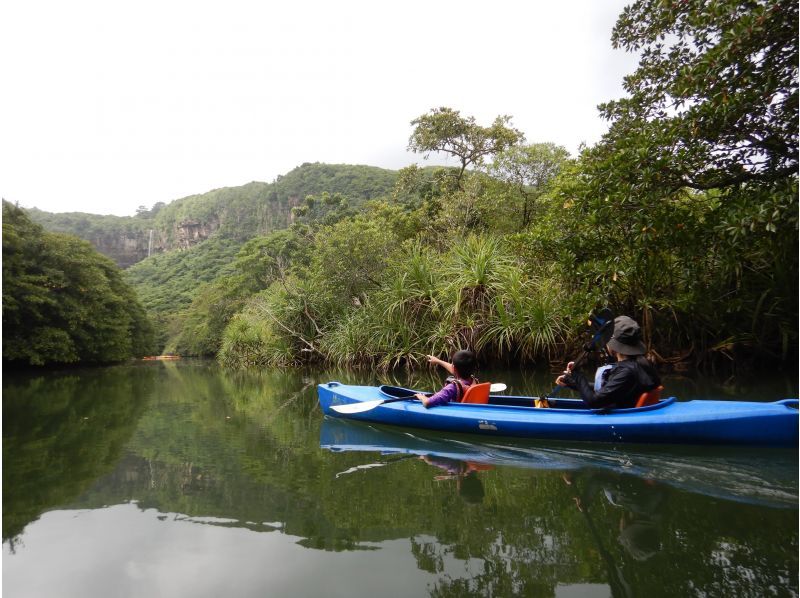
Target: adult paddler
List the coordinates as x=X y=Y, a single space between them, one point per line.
x=624 y=382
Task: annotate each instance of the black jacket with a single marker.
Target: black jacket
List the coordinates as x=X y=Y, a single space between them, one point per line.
x=624 y=383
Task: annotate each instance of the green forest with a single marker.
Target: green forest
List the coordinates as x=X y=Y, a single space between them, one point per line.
x=63 y=302
x=684 y=216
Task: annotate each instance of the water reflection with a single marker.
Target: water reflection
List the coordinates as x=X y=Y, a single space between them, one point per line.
x=61 y=432
x=152 y=465
x=639 y=503
x=464 y=473
x=592 y=513
x=766 y=477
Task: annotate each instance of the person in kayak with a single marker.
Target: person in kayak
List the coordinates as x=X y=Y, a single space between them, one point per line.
x=461 y=377
x=623 y=383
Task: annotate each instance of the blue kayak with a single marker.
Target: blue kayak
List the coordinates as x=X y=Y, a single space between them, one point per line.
x=668 y=421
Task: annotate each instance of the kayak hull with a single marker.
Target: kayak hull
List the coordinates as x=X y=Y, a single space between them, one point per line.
x=669 y=421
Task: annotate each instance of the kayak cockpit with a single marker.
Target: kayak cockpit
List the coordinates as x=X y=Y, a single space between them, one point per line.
x=530 y=402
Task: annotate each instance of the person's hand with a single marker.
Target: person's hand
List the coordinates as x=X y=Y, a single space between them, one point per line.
x=565 y=378
x=433 y=360
x=422 y=398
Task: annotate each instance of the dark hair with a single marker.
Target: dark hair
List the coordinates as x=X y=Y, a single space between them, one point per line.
x=464 y=363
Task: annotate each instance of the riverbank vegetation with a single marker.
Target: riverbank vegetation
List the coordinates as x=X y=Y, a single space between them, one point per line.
x=683 y=216
x=63 y=302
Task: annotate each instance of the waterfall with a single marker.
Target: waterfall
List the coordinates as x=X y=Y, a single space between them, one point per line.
x=150 y=243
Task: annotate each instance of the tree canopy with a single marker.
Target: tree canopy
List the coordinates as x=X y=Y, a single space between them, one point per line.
x=529 y=169
x=445 y=130
x=714 y=100
x=689 y=202
x=63 y=302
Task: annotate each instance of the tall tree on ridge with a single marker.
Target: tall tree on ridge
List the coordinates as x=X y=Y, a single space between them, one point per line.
x=445 y=130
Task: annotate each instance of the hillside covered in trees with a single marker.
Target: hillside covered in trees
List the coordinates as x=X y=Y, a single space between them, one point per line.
x=683 y=216
x=170 y=249
x=63 y=302
x=233 y=213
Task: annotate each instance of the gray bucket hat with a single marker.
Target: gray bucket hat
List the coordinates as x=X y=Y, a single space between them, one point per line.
x=627 y=337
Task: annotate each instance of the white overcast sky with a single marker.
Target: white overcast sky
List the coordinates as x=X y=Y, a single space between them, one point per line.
x=106 y=106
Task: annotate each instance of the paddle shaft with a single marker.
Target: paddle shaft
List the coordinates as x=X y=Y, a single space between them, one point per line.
x=599 y=337
x=408 y=398
x=352 y=408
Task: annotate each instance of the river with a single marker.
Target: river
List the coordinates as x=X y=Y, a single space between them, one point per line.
x=183 y=479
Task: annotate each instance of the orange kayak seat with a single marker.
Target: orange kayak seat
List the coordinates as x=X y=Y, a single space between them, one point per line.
x=651 y=397
x=477 y=393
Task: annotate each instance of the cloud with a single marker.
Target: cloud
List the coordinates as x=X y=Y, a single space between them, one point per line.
x=113 y=107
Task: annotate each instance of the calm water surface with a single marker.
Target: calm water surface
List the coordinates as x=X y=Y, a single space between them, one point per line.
x=180 y=479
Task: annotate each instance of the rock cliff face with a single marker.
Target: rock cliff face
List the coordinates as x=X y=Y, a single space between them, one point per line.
x=192 y=232
x=131 y=247
x=125 y=250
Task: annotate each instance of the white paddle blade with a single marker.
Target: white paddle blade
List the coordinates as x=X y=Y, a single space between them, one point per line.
x=351 y=408
x=497 y=387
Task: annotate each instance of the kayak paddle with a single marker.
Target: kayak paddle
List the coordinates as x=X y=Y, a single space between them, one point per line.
x=352 y=408
x=602 y=324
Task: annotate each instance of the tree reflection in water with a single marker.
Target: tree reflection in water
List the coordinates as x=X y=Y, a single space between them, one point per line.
x=480 y=517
